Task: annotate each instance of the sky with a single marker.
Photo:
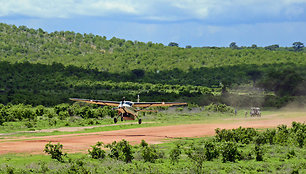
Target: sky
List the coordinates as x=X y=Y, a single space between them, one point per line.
x=187 y=22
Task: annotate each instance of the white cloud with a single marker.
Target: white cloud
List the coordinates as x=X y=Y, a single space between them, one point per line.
x=158 y=10
x=66 y=8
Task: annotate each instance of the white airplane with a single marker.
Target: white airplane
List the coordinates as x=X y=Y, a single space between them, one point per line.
x=127 y=109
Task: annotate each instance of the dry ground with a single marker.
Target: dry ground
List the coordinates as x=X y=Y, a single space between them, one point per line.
x=82 y=141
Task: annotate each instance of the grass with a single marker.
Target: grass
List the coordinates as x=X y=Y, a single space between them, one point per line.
x=163 y=118
x=276 y=160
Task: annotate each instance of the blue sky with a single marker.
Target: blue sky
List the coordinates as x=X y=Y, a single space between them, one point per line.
x=187 y=22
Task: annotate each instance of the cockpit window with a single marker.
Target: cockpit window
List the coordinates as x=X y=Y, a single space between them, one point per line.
x=128 y=103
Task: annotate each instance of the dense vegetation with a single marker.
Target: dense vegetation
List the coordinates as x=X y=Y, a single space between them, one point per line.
x=242 y=150
x=23 y=117
x=47 y=68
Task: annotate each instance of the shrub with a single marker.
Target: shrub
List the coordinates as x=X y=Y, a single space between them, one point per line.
x=211 y=150
x=143 y=143
x=300 y=138
x=229 y=152
x=298 y=133
x=269 y=136
x=258 y=152
x=219 y=108
x=28 y=124
x=196 y=154
x=175 y=154
x=121 y=151
x=77 y=167
x=291 y=154
x=282 y=134
x=149 y=154
x=55 y=150
x=243 y=135
x=97 y=151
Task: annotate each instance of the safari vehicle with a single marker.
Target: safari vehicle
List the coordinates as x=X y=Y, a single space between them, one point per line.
x=255 y=112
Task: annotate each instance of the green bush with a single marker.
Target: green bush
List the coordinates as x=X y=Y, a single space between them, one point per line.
x=243 y=135
x=175 y=154
x=97 y=152
x=211 y=150
x=259 y=152
x=121 y=151
x=229 y=152
x=149 y=154
x=197 y=155
x=282 y=135
x=55 y=150
x=77 y=166
x=269 y=136
x=219 y=108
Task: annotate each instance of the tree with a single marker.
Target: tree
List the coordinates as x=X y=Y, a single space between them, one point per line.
x=55 y=150
x=97 y=151
x=254 y=74
x=272 y=47
x=138 y=73
x=121 y=151
x=282 y=82
x=298 y=46
x=173 y=44
x=233 y=45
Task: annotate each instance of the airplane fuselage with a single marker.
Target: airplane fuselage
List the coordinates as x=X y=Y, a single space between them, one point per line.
x=127 y=110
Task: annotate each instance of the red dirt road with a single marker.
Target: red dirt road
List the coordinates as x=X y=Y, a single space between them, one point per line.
x=153 y=135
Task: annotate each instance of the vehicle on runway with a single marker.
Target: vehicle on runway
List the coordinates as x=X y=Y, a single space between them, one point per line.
x=128 y=110
x=255 y=112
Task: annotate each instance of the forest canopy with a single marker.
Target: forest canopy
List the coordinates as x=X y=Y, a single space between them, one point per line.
x=38 y=67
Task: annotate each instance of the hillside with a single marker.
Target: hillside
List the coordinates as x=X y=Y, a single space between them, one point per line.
x=47 y=68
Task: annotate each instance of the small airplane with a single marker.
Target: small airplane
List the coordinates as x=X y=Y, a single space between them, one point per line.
x=127 y=110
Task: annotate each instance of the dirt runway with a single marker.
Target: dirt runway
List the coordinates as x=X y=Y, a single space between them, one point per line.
x=153 y=135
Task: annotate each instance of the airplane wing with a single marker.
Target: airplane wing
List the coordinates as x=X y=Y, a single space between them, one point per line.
x=98 y=102
x=150 y=104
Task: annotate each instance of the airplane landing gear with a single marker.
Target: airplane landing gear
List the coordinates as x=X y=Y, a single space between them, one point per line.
x=115 y=120
x=139 y=121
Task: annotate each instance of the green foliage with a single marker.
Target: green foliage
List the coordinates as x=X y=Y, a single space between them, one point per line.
x=298 y=46
x=121 y=151
x=211 y=150
x=55 y=150
x=42 y=68
x=284 y=82
x=291 y=154
x=258 y=152
x=149 y=154
x=197 y=155
x=78 y=166
x=298 y=130
x=219 y=108
x=143 y=143
x=242 y=135
x=175 y=154
x=269 y=135
x=278 y=158
x=282 y=135
x=229 y=152
x=97 y=152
